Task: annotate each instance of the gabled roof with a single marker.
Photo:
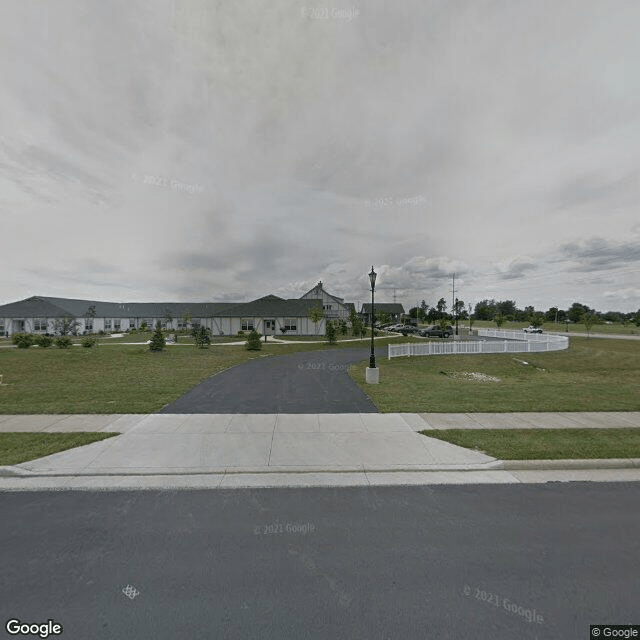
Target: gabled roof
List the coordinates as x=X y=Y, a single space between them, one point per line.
x=34 y=307
x=47 y=307
x=320 y=287
x=271 y=306
x=387 y=307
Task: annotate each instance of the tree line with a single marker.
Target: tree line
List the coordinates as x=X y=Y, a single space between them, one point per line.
x=506 y=310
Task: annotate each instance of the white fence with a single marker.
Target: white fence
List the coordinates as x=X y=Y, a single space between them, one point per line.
x=514 y=342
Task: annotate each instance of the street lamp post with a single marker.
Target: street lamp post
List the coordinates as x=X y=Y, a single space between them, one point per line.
x=372 y=373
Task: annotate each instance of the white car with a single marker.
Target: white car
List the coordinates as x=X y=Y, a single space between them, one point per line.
x=532 y=329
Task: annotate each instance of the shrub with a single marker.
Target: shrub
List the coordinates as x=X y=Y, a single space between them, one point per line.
x=88 y=341
x=44 y=341
x=202 y=338
x=143 y=327
x=331 y=333
x=240 y=334
x=23 y=340
x=253 y=341
x=63 y=342
x=157 y=340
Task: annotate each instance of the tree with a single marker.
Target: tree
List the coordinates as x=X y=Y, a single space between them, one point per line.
x=423 y=310
x=576 y=310
x=316 y=313
x=441 y=306
x=143 y=326
x=443 y=323
x=485 y=310
x=168 y=318
x=357 y=327
x=588 y=320
x=330 y=332
x=65 y=326
x=253 y=341
x=343 y=327
x=157 y=340
x=498 y=319
x=507 y=308
x=90 y=316
x=202 y=337
x=636 y=319
x=551 y=315
x=458 y=308
x=536 y=319
x=471 y=318
x=186 y=318
x=383 y=317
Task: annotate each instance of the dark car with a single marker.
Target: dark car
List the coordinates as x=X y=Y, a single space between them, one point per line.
x=436 y=332
x=407 y=329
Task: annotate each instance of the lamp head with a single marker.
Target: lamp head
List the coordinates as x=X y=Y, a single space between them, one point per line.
x=372 y=278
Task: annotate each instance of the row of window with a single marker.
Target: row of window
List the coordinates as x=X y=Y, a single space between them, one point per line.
x=115 y=324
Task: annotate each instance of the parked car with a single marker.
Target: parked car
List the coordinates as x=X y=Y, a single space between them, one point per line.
x=407 y=329
x=532 y=329
x=394 y=327
x=436 y=332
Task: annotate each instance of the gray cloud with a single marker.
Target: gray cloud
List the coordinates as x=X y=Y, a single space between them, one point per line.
x=516 y=268
x=598 y=253
x=513 y=128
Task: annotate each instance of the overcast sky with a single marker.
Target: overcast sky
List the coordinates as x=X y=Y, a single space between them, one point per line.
x=201 y=150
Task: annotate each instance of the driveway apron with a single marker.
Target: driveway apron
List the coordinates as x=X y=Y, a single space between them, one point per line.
x=307 y=382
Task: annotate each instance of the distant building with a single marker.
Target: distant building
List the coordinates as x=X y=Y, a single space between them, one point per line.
x=268 y=315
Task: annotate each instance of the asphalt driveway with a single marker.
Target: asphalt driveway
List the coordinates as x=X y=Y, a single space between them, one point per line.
x=308 y=382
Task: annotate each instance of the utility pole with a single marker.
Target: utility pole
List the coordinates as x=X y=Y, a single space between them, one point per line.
x=455 y=310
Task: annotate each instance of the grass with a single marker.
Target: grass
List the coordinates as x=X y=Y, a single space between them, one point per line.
x=560 y=327
x=22 y=447
x=127 y=379
x=592 y=375
x=545 y=444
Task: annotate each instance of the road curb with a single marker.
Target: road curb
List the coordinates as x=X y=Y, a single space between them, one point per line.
x=496 y=465
x=570 y=465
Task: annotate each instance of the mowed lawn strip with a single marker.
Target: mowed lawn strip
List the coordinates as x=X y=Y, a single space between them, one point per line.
x=592 y=375
x=545 y=444
x=119 y=378
x=17 y=447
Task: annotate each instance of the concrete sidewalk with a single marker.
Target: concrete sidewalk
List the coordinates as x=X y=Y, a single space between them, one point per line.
x=234 y=450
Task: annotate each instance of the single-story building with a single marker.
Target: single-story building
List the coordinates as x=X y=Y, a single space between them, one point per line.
x=270 y=315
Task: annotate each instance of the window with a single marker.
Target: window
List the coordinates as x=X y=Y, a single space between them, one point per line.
x=2 y=329
x=88 y=324
x=290 y=324
x=107 y=324
x=327 y=307
x=182 y=324
x=116 y=324
x=247 y=324
x=40 y=324
x=132 y=324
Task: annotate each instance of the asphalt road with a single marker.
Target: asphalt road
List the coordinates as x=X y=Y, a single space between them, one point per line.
x=308 y=382
x=452 y=562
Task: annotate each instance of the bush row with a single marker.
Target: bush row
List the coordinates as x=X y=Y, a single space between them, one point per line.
x=26 y=340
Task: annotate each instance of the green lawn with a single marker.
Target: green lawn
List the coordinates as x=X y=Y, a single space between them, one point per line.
x=560 y=327
x=592 y=375
x=21 y=447
x=545 y=444
x=119 y=379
